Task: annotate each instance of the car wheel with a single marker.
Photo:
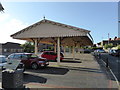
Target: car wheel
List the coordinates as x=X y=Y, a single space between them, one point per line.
x=44 y=66
x=34 y=66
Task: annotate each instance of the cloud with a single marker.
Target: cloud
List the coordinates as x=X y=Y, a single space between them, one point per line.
x=3 y=17
x=10 y=26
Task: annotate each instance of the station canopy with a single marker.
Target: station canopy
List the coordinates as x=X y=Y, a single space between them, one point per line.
x=47 y=31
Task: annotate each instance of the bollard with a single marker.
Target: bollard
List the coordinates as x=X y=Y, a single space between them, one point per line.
x=107 y=62
x=99 y=55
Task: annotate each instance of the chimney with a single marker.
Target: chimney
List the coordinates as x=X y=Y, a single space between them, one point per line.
x=115 y=38
x=110 y=39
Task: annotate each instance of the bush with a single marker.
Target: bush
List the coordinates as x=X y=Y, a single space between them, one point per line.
x=106 y=46
x=118 y=46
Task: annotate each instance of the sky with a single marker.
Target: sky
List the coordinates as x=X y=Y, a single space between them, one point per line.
x=100 y=18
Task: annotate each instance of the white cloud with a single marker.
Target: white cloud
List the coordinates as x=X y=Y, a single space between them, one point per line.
x=3 y=17
x=10 y=26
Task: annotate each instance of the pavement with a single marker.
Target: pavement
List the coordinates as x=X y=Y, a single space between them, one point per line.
x=84 y=72
x=114 y=64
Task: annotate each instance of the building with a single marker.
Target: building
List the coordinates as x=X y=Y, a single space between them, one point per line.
x=45 y=47
x=58 y=34
x=115 y=42
x=10 y=47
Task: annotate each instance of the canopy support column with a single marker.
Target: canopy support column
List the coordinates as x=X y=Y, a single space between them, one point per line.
x=58 y=50
x=64 y=50
x=36 y=46
x=55 y=47
x=73 y=51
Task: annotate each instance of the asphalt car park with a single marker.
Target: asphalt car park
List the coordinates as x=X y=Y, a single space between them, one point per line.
x=79 y=73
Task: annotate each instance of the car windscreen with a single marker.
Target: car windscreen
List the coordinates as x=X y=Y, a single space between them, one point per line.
x=52 y=53
x=32 y=56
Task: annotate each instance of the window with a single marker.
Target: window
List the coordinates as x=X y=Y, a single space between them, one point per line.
x=11 y=56
x=24 y=56
x=0 y=50
x=5 y=50
x=12 y=50
x=32 y=56
x=17 y=56
x=2 y=59
x=21 y=50
x=52 y=53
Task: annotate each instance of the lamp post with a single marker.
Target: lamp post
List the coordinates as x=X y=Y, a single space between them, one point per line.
x=108 y=38
x=118 y=28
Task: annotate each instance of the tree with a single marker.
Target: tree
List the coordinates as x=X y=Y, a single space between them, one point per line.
x=1 y=7
x=28 y=47
x=106 y=46
x=118 y=46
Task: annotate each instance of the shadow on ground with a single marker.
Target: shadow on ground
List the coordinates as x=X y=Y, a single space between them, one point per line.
x=68 y=61
x=71 y=59
x=27 y=78
x=50 y=70
x=84 y=69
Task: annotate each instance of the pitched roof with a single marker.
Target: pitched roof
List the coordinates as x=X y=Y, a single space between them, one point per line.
x=11 y=45
x=117 y=38
x=46 y=31
x=47 y=28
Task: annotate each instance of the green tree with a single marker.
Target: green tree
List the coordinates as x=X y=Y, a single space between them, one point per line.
x=118 y=46
x=28 y=47
x=106 y=46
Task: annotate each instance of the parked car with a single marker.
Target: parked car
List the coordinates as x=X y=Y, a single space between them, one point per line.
x=111 y=51
x=50 y=55
x=115 y=53
x=85 y=50
x=2 y=61
x=29 y=60
x=100 y=51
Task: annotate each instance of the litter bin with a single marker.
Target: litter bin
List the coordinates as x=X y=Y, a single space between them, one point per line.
x=12 y=77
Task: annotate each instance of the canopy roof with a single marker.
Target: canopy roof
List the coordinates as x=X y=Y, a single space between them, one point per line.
x=47 y=30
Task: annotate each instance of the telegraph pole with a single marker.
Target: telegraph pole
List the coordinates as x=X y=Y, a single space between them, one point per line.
x=118 y=28
x=108 y=38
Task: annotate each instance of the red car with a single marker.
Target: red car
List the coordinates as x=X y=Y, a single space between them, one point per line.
x=29 y=60
x=50 y=55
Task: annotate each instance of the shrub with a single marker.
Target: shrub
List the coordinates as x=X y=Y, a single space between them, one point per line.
x=106 y=46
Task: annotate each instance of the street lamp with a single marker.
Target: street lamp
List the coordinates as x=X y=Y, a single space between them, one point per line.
x=1 y=7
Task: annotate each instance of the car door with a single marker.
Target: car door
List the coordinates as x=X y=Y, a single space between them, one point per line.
x=25 y=59
x=46 y=55
x=53 y=56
